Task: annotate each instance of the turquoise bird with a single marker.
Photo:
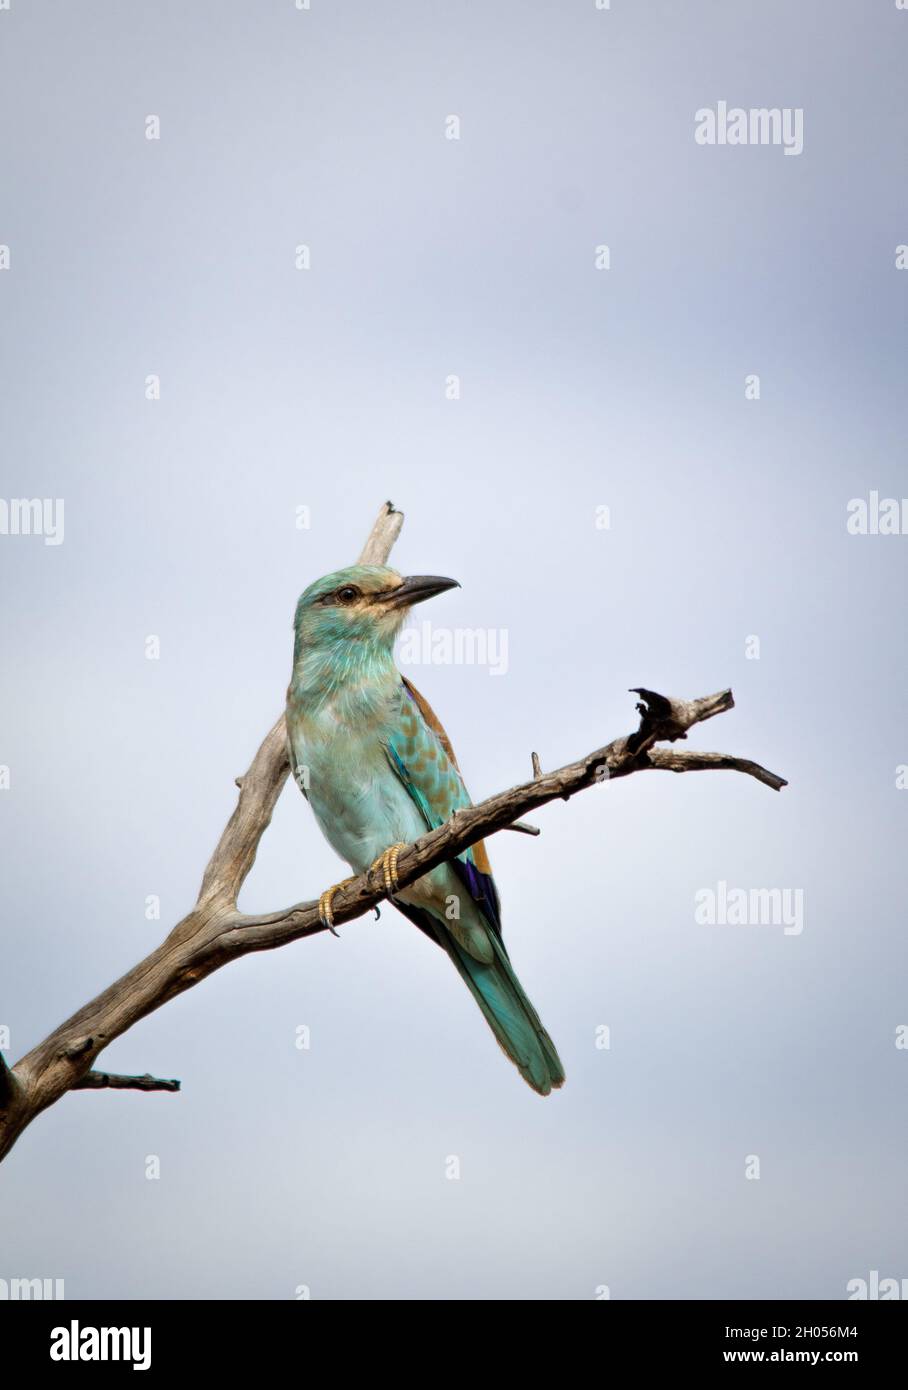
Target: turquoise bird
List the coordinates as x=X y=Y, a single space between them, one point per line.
x=378 y=770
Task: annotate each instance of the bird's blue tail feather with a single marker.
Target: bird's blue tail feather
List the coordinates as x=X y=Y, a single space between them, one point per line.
x=509 y=1014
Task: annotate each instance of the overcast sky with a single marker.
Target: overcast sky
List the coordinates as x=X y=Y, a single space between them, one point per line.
x=587 y=396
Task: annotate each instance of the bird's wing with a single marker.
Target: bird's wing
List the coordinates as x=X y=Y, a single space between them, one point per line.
x=420 y=752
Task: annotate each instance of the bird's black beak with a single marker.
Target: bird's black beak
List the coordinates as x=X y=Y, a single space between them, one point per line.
x=416 y=588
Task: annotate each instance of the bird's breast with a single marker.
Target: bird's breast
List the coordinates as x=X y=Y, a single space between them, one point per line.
x=342 y=768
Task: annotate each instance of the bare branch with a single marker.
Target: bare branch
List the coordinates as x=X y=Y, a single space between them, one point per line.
x=672 y=761
x=259 y=788
x=106 y=1080
x=660 y=718
x=382 y=536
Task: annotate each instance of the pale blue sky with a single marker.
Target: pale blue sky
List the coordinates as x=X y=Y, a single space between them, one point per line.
x=580 y=389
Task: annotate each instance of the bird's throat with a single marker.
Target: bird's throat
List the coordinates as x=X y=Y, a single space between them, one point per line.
x=355 y=676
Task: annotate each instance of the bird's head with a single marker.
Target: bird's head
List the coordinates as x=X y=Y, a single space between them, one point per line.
x=363 y=603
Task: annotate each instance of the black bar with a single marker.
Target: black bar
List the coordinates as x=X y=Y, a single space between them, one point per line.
x=236 y=1338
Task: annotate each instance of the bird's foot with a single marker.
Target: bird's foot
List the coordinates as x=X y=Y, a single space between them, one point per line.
x=325 y=915
x=388 y=862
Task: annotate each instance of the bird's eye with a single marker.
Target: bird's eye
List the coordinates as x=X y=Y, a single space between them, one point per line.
x=347 y=594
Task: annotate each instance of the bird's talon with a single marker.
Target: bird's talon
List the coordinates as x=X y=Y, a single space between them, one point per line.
x=325 y=913
x=388 y=862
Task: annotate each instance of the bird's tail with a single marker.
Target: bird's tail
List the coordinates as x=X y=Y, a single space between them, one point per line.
x=509 y=1014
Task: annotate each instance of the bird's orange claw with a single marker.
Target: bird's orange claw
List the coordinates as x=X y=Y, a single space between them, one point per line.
x=388 y=862
x=325 y=915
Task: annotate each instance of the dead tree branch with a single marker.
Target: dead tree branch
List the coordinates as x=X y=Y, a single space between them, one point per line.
x=216 y=932
x=105 y=1080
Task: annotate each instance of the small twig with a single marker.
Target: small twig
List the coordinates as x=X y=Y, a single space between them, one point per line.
x=537 y=766
x=524 y=828
x=683 y=761
x=107 y=1080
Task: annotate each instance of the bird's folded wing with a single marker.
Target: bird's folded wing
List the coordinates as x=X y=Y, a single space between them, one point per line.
x=421 y=754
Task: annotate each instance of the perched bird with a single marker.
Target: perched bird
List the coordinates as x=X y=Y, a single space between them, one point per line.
x=378 y=771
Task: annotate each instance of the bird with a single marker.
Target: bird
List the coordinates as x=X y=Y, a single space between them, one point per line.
x=378 y=771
